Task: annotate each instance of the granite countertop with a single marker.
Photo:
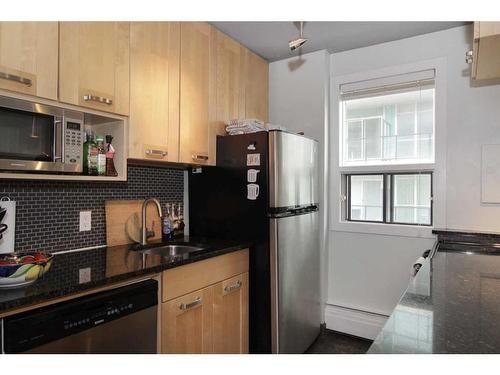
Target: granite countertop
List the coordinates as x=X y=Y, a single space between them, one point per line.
x=451 y=306
x=107 y=265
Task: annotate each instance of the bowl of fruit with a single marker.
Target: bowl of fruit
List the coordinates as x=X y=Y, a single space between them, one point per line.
x=18 y=270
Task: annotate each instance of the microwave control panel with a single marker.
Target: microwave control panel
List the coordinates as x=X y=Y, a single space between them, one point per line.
x=73 y=142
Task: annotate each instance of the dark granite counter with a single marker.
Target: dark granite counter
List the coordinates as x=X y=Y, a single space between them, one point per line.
x=451 y=306
x=108 y=265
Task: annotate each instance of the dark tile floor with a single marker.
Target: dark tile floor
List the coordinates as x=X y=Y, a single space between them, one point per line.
x=331 y=342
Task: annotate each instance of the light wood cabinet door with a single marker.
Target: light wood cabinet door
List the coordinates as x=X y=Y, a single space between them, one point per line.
x=486 y=51
x=154 y=90
x=187 y=323
x=197 y=93
x=29 y=58
x=256 y=86
x=231 y=315
x=229 y=81
x=94 y=65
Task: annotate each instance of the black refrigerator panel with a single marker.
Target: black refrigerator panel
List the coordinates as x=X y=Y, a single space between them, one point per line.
x=219 y=207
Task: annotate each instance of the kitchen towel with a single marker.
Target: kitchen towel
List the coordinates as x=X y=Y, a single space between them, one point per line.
x=8 y=237
x=244 y=126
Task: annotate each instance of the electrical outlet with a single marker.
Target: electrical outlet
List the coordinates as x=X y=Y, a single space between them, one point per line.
x=84 y=275
x=85 y=221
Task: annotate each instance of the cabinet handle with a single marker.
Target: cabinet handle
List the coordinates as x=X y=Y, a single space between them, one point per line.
x=199 y=157
x=156 y=153
x=188 y=306
x=15 y=78
x=230 y=288
x=99 y=99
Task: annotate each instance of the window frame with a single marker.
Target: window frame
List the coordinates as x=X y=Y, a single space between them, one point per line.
x=387 y=197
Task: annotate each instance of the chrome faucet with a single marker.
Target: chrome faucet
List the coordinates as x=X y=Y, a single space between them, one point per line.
x=144 y=230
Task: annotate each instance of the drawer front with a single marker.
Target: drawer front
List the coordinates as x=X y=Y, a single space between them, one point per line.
x=185 y=279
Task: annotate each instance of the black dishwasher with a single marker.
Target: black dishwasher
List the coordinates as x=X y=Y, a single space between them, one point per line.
x=121 y=320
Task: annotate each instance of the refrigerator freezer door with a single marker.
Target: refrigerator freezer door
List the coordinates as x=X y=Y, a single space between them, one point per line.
x=293 y=170
x=295 y=282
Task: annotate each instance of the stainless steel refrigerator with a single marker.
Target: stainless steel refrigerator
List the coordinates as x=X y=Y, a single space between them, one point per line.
x=264 y=190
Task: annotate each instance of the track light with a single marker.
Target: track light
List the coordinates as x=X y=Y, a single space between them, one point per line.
x=298 y=42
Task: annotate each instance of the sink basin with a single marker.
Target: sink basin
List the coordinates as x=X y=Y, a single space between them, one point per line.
x=172 y=250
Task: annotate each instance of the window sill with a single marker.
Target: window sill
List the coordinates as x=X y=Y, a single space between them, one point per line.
x=399 y=230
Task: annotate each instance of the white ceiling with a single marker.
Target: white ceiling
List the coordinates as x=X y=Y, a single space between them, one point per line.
x=270 y=39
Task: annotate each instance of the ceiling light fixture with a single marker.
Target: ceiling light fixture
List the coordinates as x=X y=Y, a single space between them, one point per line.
x=298 y=42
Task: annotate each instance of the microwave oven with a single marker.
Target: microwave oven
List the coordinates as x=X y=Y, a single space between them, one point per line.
x=40 y=138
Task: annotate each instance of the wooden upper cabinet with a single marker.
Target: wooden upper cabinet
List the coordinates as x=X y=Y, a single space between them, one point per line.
x=94 y=65
x=188 y=323
x=256 y=83
x=229 y=81
x=486 y=51
x=197 y=93
x=154 y=90
x=231 y=315
x=28 y=58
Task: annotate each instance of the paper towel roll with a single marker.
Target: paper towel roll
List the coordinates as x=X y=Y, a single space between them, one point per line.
x=8 y=237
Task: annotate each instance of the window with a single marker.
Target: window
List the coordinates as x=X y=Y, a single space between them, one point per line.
x=366 y=198
x=387 y=148
x=388 y=125
x=411 y=198
x=393 y=198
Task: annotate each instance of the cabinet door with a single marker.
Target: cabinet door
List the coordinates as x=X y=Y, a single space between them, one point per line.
x=229 y=81
x=256 y=77
x=28 y=57
x=94 y=65
x=187 y=323
x=231 y=315
x=154 y=90
x=486 y=61
x=197 y=93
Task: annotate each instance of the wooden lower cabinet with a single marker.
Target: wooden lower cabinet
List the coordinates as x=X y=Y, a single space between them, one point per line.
x=188 y=323
x=213 y=318
x=231 y=316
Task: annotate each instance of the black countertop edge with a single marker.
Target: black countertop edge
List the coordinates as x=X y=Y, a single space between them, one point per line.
x=480 y=242
x=215 y=248
x=469 y=248
x=467 y=234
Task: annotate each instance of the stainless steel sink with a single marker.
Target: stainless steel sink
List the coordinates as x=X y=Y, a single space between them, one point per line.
x=173 y=250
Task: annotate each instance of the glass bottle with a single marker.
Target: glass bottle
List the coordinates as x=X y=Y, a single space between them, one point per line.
x=90 y=153
x=86 y=146
x=110 y=154
x=167 y=232
x=101 y=156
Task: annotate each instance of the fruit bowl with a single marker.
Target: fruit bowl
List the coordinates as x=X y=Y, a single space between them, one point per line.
x=18 y=270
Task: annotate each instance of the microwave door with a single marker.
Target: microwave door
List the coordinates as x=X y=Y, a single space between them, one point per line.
x=26 y=136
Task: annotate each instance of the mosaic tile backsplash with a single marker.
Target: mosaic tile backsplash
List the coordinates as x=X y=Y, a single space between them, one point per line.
x=48 y=212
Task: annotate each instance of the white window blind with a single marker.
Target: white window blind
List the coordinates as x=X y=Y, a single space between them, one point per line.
x=388 y=120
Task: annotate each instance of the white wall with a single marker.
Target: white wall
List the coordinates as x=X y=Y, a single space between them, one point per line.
x=298 y=100
x=297 y=93
x=369 y=272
